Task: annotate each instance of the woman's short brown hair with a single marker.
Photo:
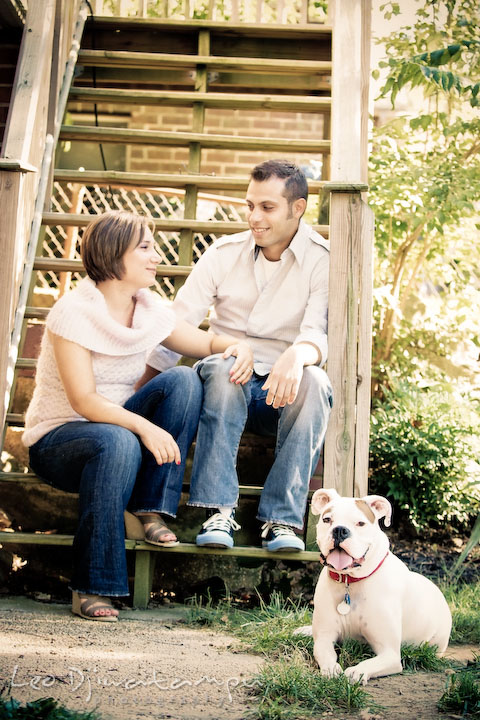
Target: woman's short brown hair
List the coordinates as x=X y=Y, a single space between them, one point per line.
x=106 y=240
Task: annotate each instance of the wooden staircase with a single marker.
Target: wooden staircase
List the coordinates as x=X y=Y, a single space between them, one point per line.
x=200 y=67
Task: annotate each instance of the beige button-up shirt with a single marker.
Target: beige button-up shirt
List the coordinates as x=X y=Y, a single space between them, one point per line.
x=228 y=281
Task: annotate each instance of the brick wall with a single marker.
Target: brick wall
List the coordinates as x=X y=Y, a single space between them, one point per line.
x=255 y=123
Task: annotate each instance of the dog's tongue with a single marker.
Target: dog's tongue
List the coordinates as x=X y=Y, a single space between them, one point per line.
x=339 y=559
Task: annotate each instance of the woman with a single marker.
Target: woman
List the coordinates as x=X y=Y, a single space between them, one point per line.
x=87 y=429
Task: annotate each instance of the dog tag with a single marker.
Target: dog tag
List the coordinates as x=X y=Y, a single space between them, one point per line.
x=343 y=608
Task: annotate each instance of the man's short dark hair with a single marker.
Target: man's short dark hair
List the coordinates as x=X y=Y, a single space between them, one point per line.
x=295 y=181
x=106 y=240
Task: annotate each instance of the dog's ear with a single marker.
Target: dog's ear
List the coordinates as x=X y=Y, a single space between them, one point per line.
x=320 y=498
x=380 y=506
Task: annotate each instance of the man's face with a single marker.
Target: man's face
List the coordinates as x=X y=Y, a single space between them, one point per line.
x=273 y=221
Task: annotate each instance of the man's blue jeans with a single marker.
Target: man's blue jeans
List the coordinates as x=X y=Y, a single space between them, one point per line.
x=228 y=409
x=110 y=469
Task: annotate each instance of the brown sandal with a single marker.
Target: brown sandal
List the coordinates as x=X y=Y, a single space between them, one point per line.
x=86 y=606
x=155 y=529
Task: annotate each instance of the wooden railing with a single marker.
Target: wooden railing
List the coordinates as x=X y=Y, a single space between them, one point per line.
x=260 y=11
x=45 y=54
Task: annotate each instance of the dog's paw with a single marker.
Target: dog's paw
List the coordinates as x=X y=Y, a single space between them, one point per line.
x=304 y=630
x=331 y=671
x=357 y=674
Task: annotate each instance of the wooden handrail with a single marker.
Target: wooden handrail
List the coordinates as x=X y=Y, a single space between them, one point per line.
x=129 y=136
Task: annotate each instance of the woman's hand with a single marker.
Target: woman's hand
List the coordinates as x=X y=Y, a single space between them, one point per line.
x=73 y=362
x=160 y=443
x=242 y=368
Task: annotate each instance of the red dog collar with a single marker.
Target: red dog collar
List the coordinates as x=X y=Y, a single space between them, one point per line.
x=349 y=579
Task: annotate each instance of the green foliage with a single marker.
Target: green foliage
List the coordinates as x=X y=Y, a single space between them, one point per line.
x=462 y=695
x=426 y=68
x=422 y=658
x=463 y=601
x=42 y=709
x=424 y=447
x=472 y=542
x=425 y=181
x=439 y=53
x=424 y=188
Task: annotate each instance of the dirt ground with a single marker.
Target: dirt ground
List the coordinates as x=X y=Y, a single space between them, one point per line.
x=150 y=665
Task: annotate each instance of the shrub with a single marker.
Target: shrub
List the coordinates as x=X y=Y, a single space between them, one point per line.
x=424 y=448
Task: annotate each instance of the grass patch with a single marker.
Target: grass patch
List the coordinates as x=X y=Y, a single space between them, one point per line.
x=42 y=709
x=291 y=689
x=422 y=658
x=290 y=686
x=267 y=629
x=463 y=601
x=462 y=695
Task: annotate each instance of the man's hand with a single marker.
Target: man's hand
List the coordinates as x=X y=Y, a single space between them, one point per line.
x=286 y=374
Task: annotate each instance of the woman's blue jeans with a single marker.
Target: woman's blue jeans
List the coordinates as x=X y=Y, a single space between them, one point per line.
x=111 y=470
x=299 y=429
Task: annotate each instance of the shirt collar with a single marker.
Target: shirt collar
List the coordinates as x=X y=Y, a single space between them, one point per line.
x=297 y=245
x=299 y=242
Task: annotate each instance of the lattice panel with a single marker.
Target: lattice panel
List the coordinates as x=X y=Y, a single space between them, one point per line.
x=96 y=199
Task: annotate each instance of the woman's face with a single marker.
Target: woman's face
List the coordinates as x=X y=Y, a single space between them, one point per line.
x=140 y=262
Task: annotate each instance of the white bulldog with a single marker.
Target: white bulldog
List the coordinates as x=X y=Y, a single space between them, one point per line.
x=366 y=592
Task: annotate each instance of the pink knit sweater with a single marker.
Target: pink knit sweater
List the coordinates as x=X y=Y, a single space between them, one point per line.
x=118 y=352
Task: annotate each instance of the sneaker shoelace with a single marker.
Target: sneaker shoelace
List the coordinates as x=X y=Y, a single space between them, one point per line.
x=277 y=530
x=221 y=522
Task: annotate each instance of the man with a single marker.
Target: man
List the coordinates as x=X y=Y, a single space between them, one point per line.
x=268 y=285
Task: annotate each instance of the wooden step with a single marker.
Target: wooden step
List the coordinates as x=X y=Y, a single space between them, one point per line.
x=16 y=419
x=33 y=479
x=300 y=31
x=26 y=363
x=67 y=265
x=242 y=81
x=224 y=27
x=19 y=538
x=288 y=103
x=200 y=226
x=184 y=139
x=150 y=180
x=148 y=60
x=36 y=313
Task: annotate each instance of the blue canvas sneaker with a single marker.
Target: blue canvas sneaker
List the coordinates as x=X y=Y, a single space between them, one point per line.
x=217 y=530
x=276 y=537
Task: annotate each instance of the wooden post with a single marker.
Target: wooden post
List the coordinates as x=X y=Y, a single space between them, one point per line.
x=21 y=154
x=350 y=86
x=349 y=340
x=351 y=249
x=11 y=257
